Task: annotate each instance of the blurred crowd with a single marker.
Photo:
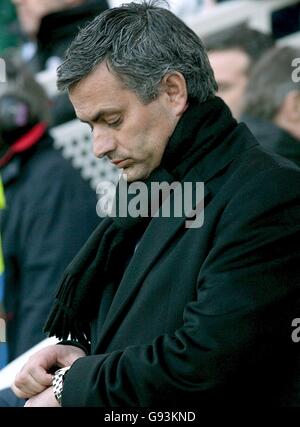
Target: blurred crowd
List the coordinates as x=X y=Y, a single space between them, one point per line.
x=50 y=210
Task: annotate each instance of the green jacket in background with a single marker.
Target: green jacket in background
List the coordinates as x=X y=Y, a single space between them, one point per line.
x=7 y=18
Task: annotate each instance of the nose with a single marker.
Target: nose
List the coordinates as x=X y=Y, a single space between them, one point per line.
x=103 y=143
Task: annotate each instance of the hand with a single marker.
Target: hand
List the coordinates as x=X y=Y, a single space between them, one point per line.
x=34 y=377
x=46 y=399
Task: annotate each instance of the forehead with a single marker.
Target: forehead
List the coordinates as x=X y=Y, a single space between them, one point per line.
x=100 y=89
x=226 y=63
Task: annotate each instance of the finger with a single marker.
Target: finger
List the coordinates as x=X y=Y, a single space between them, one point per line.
x=32 y=386
x=31 y=381
x=19 y=393
x=40 y=376
x=35 y=387
x=25 y=392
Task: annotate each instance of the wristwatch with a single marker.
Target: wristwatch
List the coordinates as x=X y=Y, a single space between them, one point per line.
x=58 y=382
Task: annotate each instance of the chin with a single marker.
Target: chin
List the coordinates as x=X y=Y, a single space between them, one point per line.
x=133 y=174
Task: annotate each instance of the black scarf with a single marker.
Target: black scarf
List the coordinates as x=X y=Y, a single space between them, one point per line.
x=104 y=257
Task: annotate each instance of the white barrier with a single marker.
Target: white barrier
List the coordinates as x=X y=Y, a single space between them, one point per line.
x=8 y=374
x=257 y=13
x=221 y=17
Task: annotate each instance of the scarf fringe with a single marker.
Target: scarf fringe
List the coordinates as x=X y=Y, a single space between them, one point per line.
x=63 y=322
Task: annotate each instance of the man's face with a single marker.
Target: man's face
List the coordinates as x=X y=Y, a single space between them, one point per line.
x=231 y=73
x=133 y=135
x=30 y=12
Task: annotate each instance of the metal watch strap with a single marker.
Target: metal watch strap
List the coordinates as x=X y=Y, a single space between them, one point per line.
x=58 y=382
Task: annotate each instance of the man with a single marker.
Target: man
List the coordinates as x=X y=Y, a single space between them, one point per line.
x=272 y=102
x=232 y=53
x=161 y=313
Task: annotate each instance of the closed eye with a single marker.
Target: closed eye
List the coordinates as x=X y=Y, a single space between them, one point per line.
x=115 y=122
x=111 y=121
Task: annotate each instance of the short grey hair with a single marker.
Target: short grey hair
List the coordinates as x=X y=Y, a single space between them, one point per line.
x=270 y=82
x=141 y=43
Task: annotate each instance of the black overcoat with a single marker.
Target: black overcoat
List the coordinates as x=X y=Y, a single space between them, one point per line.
x=203 y=315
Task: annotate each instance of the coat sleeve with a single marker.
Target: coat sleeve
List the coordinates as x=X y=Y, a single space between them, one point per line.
x=247 y=291
x=54 y=225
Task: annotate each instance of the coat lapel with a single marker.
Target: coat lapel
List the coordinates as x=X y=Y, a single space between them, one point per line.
x=154 y=242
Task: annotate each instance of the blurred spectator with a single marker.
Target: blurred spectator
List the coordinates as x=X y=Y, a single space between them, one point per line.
x=3 y=347
x=8 y=37
x=50 y=210
x=232 y=54
x=52 y=24
x=272 y=103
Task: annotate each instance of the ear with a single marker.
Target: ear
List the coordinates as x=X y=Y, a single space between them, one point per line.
x=288 y=117
x=290 y=108
x=175 y=88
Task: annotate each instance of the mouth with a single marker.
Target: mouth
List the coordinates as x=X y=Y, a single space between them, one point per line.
x=120 y=163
